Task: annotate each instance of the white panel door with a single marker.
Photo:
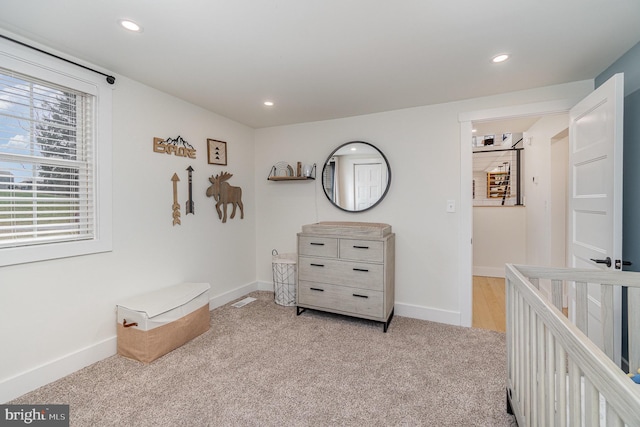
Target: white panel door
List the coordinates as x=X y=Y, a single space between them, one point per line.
x=368 y=184
x=595 y=198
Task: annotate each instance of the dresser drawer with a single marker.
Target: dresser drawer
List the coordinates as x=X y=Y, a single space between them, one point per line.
x=337 y=272
x=318 y=246
x=342 y=299
x=362 y=250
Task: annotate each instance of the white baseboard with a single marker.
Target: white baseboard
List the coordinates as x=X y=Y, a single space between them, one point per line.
x=488 y=271
x=39 y=376
x=44 y=374
x=233 y=294
x=427 y=313
x=265 y=286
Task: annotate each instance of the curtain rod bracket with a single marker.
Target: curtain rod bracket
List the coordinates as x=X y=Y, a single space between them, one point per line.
x=110 y=79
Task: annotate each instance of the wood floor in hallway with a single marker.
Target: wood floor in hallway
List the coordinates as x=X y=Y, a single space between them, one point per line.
x=489 y=303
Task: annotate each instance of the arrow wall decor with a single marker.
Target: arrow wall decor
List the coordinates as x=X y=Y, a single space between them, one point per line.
x=176 y=205
x=189 y=205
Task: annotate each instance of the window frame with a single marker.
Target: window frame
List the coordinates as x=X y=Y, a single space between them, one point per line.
x=40 y=66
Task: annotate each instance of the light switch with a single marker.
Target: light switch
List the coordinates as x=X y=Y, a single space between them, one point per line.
x=451 y=205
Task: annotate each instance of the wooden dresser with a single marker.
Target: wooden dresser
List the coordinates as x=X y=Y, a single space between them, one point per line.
x=347 y=268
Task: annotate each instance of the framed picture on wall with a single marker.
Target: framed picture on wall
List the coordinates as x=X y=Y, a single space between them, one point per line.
x=216 y=152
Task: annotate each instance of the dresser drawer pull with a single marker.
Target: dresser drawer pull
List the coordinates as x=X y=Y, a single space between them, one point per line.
x=361 y=269
x=361 y=247
x=360 y=296
x=317 y=289
x=317 y=265
x=316 y=244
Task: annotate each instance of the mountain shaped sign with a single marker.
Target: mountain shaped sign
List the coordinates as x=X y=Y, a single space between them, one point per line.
x=177 y=146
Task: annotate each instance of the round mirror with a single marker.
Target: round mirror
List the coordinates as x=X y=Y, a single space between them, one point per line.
x=356 y=176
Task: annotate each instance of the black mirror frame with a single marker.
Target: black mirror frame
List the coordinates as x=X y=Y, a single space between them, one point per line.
x=386 y=190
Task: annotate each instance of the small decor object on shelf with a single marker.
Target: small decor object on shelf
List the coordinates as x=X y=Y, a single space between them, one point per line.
x=176 y=205
x=224 y=193
x=306 y=170
x=216 y=152
x=190 y=205
x=282 y=171
x=177 y=146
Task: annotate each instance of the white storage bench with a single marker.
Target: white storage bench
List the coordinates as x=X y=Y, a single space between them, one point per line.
x=153 y=324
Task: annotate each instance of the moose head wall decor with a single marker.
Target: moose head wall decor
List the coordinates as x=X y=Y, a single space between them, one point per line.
x=224 y=193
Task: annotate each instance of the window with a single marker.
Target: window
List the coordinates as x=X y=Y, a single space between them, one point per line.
x=54 y=201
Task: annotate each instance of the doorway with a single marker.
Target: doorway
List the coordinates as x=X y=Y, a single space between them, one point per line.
x=467 y=121
x=368 y=184
x=520 y=233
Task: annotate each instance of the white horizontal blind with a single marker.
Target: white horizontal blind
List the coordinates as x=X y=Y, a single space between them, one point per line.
x=46 y=162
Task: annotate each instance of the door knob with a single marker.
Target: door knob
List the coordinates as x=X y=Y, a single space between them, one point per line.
x=607 y=261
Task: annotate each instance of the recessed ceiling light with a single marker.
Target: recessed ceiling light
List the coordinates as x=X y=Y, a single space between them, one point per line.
x=474 y=130
x=130 y=25
x=500 y=58
x=268 y=103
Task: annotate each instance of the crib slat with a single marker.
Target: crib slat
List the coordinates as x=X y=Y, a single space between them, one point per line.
x=526 y=347
x=582 y=306
x=591 y=404
x=574 y=394
x=530 y=409
x=522 y=354
x=512 y=345
x=540 y=376
x=561 y=380
x=613 y=420
x=550 y=389
x=518 y=349
x=633 y=298
x=509 y=328
x=606 y=308
x=556 y=293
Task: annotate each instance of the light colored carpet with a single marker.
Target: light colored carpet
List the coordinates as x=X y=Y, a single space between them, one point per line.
x=261 y=365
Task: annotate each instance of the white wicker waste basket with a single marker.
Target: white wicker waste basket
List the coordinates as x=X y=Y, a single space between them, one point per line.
x=284 y=278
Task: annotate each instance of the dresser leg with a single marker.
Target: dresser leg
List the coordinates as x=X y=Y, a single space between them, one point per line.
x=300 y=310
x=386 y=324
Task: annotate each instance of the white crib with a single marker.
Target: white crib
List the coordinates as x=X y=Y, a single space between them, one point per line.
x=556 y=375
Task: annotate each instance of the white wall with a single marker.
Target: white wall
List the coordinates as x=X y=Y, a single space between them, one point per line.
x=539 y=182
x=57 y=316
x=559 y=201
x=545 y=181
x=499 y=237
x=423 y=147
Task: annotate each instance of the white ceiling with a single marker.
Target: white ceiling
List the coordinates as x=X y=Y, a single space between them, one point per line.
x=324 y=59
